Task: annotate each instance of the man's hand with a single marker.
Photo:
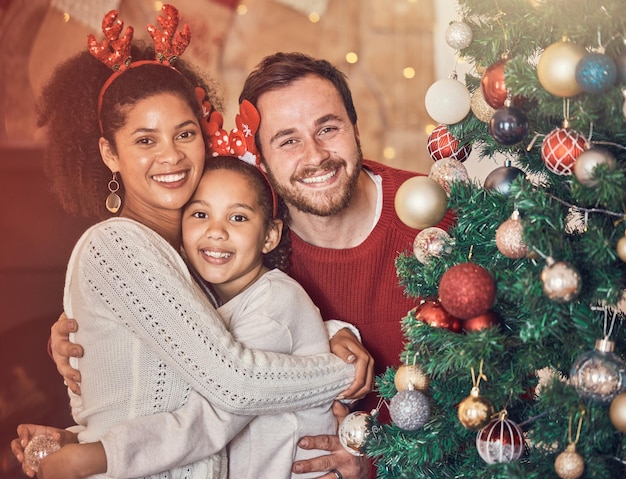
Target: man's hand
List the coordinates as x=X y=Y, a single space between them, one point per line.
x=345 y=345
x=62 y=349
x=25 y=432
x=349 y=466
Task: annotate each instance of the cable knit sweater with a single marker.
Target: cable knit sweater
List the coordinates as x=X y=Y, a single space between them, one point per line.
x=151 y=336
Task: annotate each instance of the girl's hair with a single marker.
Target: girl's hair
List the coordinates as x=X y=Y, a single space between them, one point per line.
x=67 y=109
x=279 y=256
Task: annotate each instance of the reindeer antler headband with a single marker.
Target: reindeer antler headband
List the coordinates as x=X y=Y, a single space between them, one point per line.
x=114 y=51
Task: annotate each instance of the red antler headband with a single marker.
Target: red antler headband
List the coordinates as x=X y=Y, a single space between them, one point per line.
x=114 y=51
x=239 y=142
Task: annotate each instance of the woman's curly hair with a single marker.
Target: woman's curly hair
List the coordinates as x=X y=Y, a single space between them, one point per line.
x=67 y=110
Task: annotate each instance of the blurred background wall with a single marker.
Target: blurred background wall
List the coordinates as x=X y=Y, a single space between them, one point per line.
x=391 y=51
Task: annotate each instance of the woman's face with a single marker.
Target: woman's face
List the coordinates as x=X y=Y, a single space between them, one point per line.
x=159 y=156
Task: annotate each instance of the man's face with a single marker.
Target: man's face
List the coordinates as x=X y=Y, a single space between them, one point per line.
x=311 y=149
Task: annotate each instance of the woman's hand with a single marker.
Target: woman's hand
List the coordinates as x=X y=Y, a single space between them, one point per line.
x=346 y=345
x=62 y=349
x=25 y=432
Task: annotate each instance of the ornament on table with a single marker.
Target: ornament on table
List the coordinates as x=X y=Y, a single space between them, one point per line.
x=38 y=448
x=421 y=202
x=480 y=322
x=596 y=72
x=560 y=149
x=441 y=144
x=561 y=281
x=475 y=411
x=500 y=178
x=479 y=106
x=510 y=237
x=617 y=412
x=621 y=248
x=448 y=170
x=508 y=125
x=588 y=160
x=430 y=243
x=409 y=409
x=501 y=440
x=599 y=375
x=410 y=376
x=447 y=101
x=556 y=68
x=492 y=84
x=435 y=315
x=354 y=430
x=467 y=290
x=459 y=35
x=569 y=464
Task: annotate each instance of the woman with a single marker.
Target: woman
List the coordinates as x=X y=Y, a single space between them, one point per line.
x=153 y=338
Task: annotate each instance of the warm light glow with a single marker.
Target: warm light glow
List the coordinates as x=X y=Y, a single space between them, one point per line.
x=314 y=17
x=389 y=153
x=66 y=17
x=408 y=72
x=242 y=9
x=429 y=128
x=158 y=6
x=352 y=57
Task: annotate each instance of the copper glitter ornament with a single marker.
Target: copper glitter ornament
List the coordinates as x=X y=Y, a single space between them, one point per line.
x=509 y=238
x=569 y=464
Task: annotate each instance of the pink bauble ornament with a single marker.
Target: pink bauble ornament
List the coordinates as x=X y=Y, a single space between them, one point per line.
x=561 y=148
x=467 y=290
x=421 y=202
x=441 y=144
x=430 y=243
x=448 y=170
x=447 y=101
x=501 y=440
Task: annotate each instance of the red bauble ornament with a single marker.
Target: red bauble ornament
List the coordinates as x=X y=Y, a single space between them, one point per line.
x=467 y=290
x=492 y=85
x=501 y=440
x=441 y=144
x=560 y=149
x=483 y=321
x=432 y=313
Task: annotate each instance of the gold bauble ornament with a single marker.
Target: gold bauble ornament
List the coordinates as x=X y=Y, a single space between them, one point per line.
x=475 y=411
x=569 y=464
x=481 y=109
x=617 y=412
x=621 y=248
x=421 y=202
x=410 y=376
x=556 y=68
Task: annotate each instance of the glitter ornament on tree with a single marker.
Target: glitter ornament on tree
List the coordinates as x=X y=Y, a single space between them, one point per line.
x=353 y=432
x=479 y=106
x=500 y=179
x=459 y=35
x=430 y=243
x=448 y=170
x=38 y=448
x=433 y=313
x=499 y=441
x=421 y=202
x=587 y=161
x=441 y=144
x=569 y=464
x=560 y=148
x=508 y=125
x=556 y=68
x=410 y=376
x=561 y=281
x=617 y=412
x=509 y=238
x=599 y=375
x=596 y=72
x=475 y=411
x=409 y=409
x=467 y=290
x=447 y=101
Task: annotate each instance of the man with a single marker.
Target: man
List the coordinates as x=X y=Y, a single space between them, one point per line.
x=345 y=232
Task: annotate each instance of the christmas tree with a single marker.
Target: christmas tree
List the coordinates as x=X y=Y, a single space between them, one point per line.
x=513 y=361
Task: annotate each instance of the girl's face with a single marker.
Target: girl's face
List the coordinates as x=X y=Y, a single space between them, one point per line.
x=159 y=155
x=224 y=232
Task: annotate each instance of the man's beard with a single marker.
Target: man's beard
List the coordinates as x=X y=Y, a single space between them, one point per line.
x=320 y=204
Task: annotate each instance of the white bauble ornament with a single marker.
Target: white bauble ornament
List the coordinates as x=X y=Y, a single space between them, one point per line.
x=353 y=432
x=421 y=202
x=447 y=101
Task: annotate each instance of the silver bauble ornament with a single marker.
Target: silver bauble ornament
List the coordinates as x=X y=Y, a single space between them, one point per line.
x=501 y=178
x=459 y=35
x=409 y=409
x=587 y=161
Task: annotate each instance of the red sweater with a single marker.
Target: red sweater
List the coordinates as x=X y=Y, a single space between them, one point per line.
x=360 y=285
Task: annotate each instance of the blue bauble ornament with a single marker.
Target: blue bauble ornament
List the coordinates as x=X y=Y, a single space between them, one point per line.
x=596 y=72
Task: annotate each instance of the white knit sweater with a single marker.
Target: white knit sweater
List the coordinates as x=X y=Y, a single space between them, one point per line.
x=151 y=336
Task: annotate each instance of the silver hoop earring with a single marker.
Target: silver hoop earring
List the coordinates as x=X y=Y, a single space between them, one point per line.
x=114 y=202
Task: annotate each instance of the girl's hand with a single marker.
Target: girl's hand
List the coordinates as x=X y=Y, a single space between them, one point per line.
x=25 y=432
x=346 y=345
